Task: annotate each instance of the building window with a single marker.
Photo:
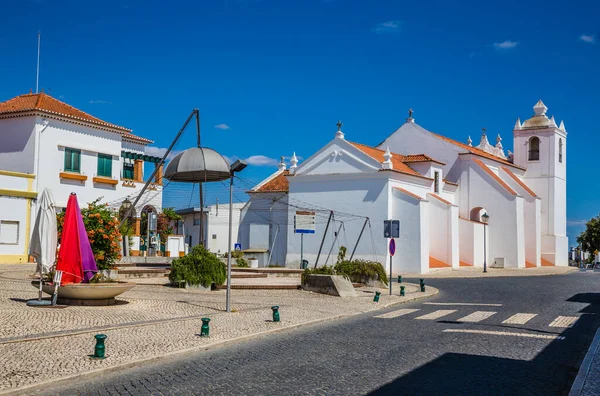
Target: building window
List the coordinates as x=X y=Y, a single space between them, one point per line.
x=534 y=149
x=560 y=150
x=436 y=182
x=9 y=232
x=196 y=220
x=104 y=165
x=214 y=236
x=72 y=160
x=127 y=171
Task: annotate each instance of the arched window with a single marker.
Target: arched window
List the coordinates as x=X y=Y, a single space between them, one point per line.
x=534 y=149
x=560 y=149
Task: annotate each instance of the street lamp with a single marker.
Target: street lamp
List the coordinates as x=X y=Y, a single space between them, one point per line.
x=237 y=166
x=484 y=219
x=126 y=210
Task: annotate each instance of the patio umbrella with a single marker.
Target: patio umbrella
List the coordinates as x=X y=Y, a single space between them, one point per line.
x=43 y=237
x=75 y=259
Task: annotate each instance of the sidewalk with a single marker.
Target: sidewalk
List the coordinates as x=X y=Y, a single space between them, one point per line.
x=470 y=272
x=40 y=345
x=587 y=382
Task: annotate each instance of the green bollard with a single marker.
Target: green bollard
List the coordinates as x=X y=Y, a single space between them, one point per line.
x=422 y=284
x=100 y=349
x=399 y=278
x=204 y=330
x=275 y=309
x=376 y=298
x=402 y=291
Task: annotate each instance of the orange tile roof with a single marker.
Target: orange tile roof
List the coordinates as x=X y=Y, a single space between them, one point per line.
x=398 y=160
x=279 y=183
x=410 y=158
x=440 y=199
x=494 y=176
x=45 y=103
x=519 y=181
x=415 y=196
x=476 y=151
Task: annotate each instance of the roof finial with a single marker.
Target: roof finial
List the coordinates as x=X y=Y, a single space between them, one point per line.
x=483 y=130
x=498 y=142
x=293 y=163
x=518 y=124
x=30 y=91
x=339 y=134
x=281 y=165
x=562 y=126
x=469 y=141
x=540 y=108
x=410 y=116
x=387 y=159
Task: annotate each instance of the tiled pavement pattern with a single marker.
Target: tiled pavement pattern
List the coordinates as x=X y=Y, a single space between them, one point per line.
x=152 y=321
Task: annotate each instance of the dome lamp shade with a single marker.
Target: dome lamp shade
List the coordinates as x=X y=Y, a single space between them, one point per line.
x=196 y=165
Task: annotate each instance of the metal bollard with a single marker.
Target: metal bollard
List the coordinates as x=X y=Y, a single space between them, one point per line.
x=275 y=309
x=204 y=330
x=376 y=298
x=399 y=278
x=100 y=349
x=402 y=291
x=422 y=284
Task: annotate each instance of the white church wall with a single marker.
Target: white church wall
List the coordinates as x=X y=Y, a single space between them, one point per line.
x=353 y=197
x=440 y=230
x=412 y=248
x=17 y=150
x=337 y=157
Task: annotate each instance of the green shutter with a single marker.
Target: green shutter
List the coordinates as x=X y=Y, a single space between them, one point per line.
x=72 y=160
x=128 y=171
x=104 y=165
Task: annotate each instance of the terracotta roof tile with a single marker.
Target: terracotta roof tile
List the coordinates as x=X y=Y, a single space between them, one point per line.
x=398 y=160
x=410 y=158
x=278 y=184
x=494 y=176
x=519 y=181
x=403 y=191
x=476 y=151
x=45 y=103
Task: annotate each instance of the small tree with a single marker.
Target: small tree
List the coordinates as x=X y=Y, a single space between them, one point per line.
x=164 y=223
x=589 y=239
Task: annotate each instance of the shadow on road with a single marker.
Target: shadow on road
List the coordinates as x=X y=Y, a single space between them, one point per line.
x=551 y=372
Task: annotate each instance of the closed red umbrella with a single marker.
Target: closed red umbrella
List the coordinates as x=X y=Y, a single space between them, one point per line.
x=69 y=257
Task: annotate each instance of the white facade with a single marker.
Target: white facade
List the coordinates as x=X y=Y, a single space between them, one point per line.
x=438 y=188
x=34 y=143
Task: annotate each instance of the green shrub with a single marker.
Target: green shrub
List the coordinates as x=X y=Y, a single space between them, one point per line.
x=99 y=278
x=242 y=263
x=199 y=267
x=360 y=271
x=324 y=270
x=236 y=254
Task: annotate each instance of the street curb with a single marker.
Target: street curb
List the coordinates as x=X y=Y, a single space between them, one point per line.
x=27 y=389
x=584 y=370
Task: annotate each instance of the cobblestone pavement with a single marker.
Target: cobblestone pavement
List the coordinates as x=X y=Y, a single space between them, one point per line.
x=41 y=344
x=495 y=336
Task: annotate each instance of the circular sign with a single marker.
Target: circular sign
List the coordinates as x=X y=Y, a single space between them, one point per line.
x=392 y=247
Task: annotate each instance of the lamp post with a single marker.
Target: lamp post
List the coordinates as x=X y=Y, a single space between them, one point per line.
x=484 y=219
x=237 y=166
x=126 y=207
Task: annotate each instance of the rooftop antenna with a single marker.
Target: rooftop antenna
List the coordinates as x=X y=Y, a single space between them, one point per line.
x=37 y=79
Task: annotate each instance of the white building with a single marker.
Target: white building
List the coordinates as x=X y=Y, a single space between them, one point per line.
x=215 y=228
x=47 y=143
x=437 y=187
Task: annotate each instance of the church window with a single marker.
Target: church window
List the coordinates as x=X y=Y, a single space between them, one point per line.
x=560 y=150
x=534 y=149
x=436 y=181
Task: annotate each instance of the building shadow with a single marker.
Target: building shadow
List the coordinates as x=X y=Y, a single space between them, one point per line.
x=551 y=372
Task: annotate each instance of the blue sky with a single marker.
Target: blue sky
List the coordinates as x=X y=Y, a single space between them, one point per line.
x=272 y=77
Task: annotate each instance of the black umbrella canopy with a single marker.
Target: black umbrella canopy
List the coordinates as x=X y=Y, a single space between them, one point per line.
x=198 y=164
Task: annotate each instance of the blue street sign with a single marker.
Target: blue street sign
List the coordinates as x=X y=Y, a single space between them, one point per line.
x=238 y=247
x=392 y=247
x=391 y=228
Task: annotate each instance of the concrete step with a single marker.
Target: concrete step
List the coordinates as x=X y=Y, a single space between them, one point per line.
x=237 y=275
x=262 y=287
x=273 y=271
x=140 y=272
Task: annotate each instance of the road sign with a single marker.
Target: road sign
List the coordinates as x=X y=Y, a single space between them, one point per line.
x=392 y=247
x=304 y=222
x=391 y=228
x=238 y=247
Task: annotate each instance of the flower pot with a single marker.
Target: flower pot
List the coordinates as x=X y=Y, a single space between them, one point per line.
x=253 y=263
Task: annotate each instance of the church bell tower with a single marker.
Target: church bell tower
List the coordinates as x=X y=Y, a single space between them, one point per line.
x=540 y=147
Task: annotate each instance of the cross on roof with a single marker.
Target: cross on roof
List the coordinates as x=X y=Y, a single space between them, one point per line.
x=339 y=125
x=410 y=113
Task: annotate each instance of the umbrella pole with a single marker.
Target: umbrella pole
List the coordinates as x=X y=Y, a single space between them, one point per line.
x=41 y=292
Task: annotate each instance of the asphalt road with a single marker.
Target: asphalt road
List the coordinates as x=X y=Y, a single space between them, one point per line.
x=449 y=352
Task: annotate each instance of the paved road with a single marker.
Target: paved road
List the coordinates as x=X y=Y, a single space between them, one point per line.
x=512 y=346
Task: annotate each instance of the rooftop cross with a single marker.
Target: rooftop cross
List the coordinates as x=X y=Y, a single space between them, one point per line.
x=339 y=125
x=410 y=113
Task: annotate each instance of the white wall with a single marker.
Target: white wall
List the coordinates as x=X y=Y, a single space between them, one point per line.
x=441 y=230
x=13 y=209
x=217 y=231
x=17 y=147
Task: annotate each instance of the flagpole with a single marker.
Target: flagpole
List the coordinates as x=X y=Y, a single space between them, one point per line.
x=37 y=79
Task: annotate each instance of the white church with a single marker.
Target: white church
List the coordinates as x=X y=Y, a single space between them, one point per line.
x=438 y=188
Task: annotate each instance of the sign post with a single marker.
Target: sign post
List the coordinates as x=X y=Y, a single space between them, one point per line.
x=392 y=252
x=304 y=223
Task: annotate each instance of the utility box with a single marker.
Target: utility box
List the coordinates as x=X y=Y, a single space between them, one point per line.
x=498 y=262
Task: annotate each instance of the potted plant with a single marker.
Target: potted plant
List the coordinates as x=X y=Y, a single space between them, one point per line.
x=199 y=269
x=253 y=262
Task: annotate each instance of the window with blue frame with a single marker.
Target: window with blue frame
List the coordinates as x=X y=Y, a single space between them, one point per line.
x=127 y=171
x=105 y=165
x=72 y=160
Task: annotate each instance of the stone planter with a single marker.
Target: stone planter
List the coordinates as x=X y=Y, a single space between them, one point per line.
x=253 y=263
x=87 y=291
x=334 y=285
x=111 y=274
